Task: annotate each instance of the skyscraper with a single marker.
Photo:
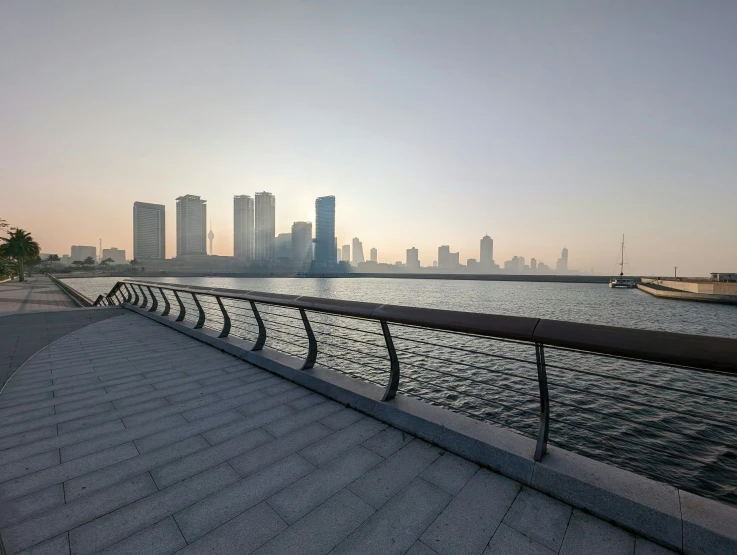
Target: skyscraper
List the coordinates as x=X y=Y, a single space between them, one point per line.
x=283 y=246
x=374 y=255
x=413 y=260
x=243 y=227
x=487 y=252
x=265 y=226
x=191 y=225
x=358 y=251
x=562 y=266
x=533 y=264
x=149 y=231
x=444 y=257
x=302 y=244
x=326 y=244
x=346 y=257
x=117 y=255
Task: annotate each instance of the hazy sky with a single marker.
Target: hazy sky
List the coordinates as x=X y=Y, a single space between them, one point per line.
x=544 y=124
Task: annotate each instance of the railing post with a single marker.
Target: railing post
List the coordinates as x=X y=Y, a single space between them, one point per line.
x=226 y=318
x=201 y=319
x=135 y=294
x=167 y=306
x=542 y=379
x=181 y=307
x=120 y=299
x=312 y=348
x=128 y=293
x=261 y=329
x=393 y=385
x=154 y=302
x=144 y=304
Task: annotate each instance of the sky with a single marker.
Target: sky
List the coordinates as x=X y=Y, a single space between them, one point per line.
x=544 y=124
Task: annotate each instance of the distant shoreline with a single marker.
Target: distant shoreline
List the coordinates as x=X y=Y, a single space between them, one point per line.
x=355 y=275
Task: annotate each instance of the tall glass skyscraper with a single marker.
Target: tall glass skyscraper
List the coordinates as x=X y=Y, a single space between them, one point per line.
x=243 y=227
x=265 y=226
x=191 y=225
x=325 y=248
x=149 y=231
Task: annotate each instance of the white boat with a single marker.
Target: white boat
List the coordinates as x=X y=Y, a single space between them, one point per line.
x=621 y=281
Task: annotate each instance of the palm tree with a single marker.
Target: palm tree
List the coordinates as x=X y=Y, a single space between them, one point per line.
x=50 y=261
x=20 y=246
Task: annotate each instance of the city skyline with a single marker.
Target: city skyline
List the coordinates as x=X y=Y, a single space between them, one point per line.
x=501 y=121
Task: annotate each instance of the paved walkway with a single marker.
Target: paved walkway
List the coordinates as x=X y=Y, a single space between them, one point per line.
x=23 y=334
x=36 y=293
x=128 y=437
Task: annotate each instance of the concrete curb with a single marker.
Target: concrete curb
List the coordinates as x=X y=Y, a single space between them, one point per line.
x=666 y=515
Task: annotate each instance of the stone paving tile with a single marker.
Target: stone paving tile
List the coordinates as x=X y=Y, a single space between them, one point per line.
x=388 y=442
x=322 y=529
x=341 y=441
x=468 y=522
x=71 y=515
x=160 y=539
x=240 y=535
x=55 y=546
x=419 y=548
x=243 y=425
x=587 y=534
x=21 y=508
x=185 y=430
x=399 y=523
x=29 y=465
x=217 y=509
x=508 y=541
x=65 y=471
x=93 y=481
x=117 y=525
x=450 y=472
x=539 y=517
x=382 y=482
x=295 y=501
x=646 y=547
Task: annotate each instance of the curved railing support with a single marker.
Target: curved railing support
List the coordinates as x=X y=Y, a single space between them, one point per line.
x=167 y=306
x=226 y=319
x=542 y=379
x=128 y=295
x=181 y=307
x=261 y=329
x=154 y=302
x=393 y=385
x=312 y=347
x=135 y=295
x=144 y=304
x=200 y=311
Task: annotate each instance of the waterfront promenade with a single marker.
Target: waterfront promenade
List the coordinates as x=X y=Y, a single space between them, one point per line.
x=126 y=436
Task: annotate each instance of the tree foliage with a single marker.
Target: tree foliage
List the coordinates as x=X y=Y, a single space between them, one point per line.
x=20 y=246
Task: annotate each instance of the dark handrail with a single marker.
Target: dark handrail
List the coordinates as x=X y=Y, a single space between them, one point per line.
x=694 y=351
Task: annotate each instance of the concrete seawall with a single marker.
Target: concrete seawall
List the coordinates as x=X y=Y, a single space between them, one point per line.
x=657 y=288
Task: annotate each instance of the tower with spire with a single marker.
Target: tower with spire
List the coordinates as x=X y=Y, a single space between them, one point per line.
x=211 y=236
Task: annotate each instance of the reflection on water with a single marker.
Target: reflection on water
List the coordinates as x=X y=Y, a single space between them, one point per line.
x=642 y=417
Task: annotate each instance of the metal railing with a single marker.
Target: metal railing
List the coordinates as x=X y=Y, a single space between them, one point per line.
x=659 y=403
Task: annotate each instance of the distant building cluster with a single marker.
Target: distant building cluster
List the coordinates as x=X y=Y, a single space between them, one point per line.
x=256 y=245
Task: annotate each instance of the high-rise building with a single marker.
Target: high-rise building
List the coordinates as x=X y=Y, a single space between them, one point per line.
x=265 y=226
x=487 y=252
x=243 y=227
x=413 y=258
x=191 y=225
x=357 y=251
x=117 y=255
x=455 y=259
x=302 y=244
x=444 y=256
x=149 y=231
x=326 y=243
x=562 y=265
x=374 y=255
x=533 y=264
x=346 y=257
x=283 y=246
x=81 y=253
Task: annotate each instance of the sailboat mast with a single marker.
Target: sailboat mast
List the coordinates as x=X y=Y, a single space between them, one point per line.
x=621 y=264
